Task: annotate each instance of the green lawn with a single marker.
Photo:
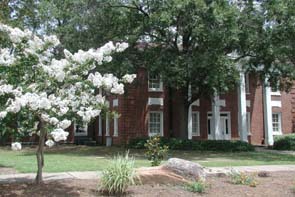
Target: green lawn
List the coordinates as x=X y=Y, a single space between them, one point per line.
x=81 y=158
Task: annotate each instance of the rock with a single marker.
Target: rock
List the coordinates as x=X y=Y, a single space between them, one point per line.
x=263 y=174
x=190 y=170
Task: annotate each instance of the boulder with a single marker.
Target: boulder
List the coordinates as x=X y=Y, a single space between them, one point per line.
x=190 y=170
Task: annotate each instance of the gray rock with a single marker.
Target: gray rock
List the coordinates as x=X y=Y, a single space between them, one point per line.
x=187 y=169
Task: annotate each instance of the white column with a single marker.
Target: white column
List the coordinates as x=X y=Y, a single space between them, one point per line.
x=107 y=125
x=267 y=109
x=215 y=120
x=99 y=126
x=116 y=118
x=242 y=105
x=190 y=122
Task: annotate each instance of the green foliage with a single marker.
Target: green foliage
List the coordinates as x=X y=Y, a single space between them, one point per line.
x=241 y=178
x=118 y=176
x=284 y=142
x=197 y=186
x=155 y=151
x=204 y=145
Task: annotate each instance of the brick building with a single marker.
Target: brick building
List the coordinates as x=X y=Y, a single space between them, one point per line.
x=253 y=113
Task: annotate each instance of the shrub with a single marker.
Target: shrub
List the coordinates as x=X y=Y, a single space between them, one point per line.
x=118 y=176
x=155 y=151
x=197 y=187
x=284 y=142
x=241 y=178
x=205 y=145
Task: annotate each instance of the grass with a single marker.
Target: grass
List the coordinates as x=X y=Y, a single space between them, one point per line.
x=82 y=158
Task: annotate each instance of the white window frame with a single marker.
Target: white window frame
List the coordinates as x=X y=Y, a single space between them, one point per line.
x=197 y=132
x=160 y=89
x=84 y=128
x=161 y=123
x=116 y=125
x=279 y=123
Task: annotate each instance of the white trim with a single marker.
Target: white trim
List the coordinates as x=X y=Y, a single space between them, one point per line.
x=115 y=102
x=161 y=123
x=277 y=93
x=280 y=123
x=116 y=125
x=267 y=113
x=84 y=129
x=276 y=103
x=156 y=101
x=197 y=133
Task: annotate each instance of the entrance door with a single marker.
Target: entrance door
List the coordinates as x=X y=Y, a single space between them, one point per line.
x=225 y=130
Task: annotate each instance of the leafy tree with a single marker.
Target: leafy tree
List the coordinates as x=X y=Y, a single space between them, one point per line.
x=50 y=93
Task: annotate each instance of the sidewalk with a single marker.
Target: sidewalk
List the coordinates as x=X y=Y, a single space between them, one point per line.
x=212 y=171
x=283 y=152
x=30 y=177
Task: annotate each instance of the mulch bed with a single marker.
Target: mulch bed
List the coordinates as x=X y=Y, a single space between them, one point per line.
x=279 y=184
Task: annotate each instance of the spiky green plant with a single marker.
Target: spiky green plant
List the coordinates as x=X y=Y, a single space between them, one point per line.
x=118 y=176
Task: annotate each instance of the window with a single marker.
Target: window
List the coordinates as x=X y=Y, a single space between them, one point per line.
x=155 y=123
x=225 y=125
x=247 y=83
x=276 y=123
x=275 y=90
x=155 y=83
x=249 y=123
x=195 y=124
x=80 y=130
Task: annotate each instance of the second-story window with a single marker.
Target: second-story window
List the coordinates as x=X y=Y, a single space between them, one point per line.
x=155 y=82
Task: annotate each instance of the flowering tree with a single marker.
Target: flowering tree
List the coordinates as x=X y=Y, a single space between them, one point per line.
x=50 y=92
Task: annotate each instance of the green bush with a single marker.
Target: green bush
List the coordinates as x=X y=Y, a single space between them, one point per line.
x=241 y=178
x=284 y=142
x=155 y=151
x=200 y=145
x=197 y=187
x=118 y=175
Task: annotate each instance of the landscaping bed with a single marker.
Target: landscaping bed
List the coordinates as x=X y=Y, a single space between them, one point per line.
x=278 y=184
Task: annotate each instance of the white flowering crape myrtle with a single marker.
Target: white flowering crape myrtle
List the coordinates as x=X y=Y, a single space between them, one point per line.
x=54 y=91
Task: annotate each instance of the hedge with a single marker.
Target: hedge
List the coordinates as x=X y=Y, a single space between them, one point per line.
x=200 y=145
x=284 y=142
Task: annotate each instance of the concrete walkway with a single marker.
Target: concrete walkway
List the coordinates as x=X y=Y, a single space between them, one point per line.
x=213 y=171
x=283 y=152
x=30 y=177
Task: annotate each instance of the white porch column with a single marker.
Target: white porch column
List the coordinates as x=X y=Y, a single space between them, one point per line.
x=242 y=105
x=267 y=109
x=190 y=122
x=215 y=120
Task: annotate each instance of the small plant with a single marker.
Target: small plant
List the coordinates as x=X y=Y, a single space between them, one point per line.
x=118 y=176
x=197 y=186
x=155 y=151
x=241 y=178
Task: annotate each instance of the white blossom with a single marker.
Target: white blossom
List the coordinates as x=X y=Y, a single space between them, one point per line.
x=3 y=114
x=59 y=134
x=49 y=143
x=65 y=124
x=16 y=146
x=129 y=78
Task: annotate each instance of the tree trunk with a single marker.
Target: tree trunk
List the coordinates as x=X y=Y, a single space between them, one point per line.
x=40 y=152
x=183 y=119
